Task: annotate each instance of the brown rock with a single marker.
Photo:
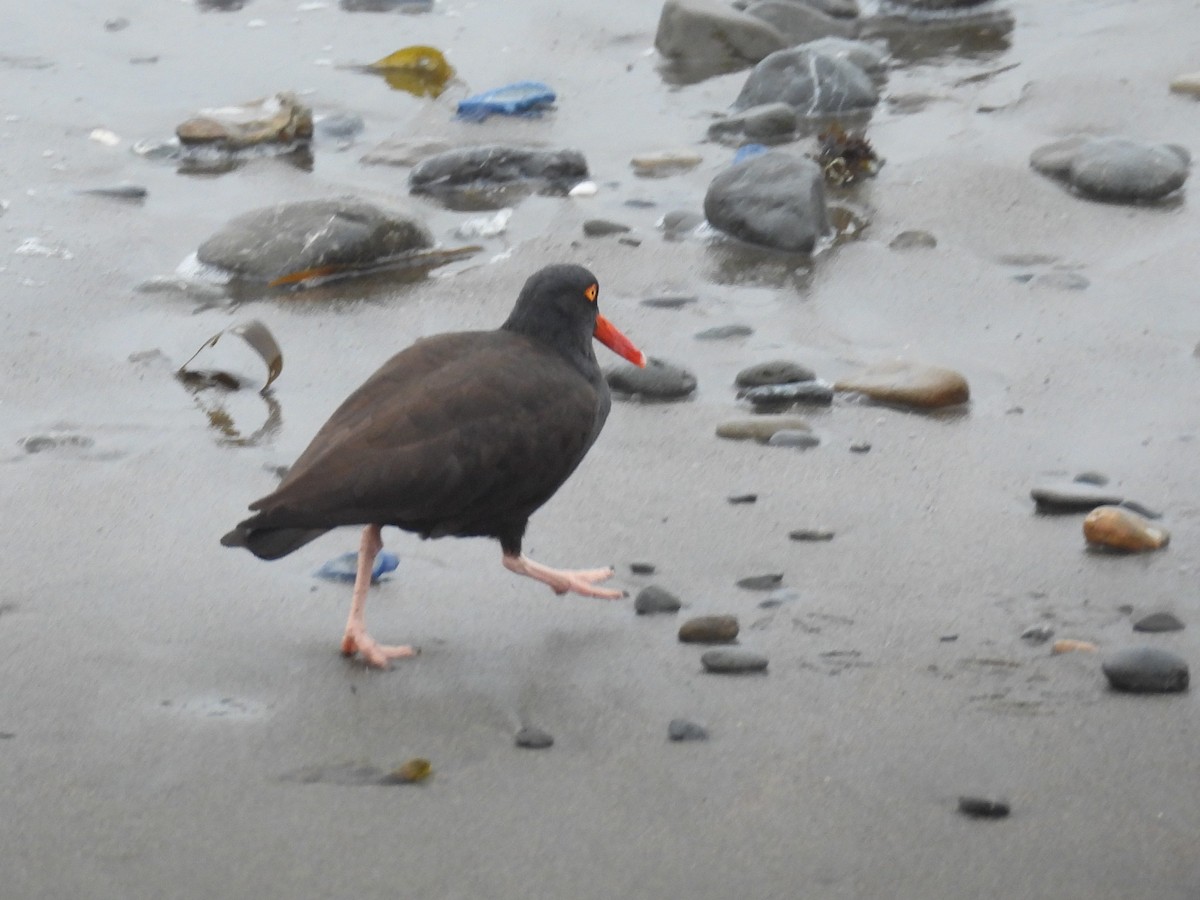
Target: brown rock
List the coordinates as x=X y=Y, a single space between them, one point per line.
x=709 y=630
x=1121 y=529
x=905 y=383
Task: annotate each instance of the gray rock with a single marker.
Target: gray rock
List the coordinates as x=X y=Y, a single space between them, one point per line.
x=678 y=223
x=906 y=383
x=1157 y=622
x=776 y=199
x=801 y=440
x=983 y=807
x=706 y=37
x=660 y=380
x=912 y=240
x=1113 y=168
x=602 y=227
x=670 y=302
x=766 y=582
x=811 y=534
x=1072 y=496
x=405 y=151
x=777 y=371
x=799 y=22
x=496 y=164
x=733 y=661
x=685 y=730
x=342 y=127
x=937 y=5
x=1037 y=634
x=811 y=82
x=652 y=600
x=868 y=56
x=738 y=499
x=312 y=234
x=770 y=122
x=775 y=396
x=533 y=738
x=1146 y=670
x=760 y=428
x=709 y=630
x=860 y=447
x=724 y=332
x=1062 y=281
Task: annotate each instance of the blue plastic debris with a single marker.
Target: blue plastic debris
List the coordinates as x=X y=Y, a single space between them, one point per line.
x=748 y=151
x=345 y=567
x=522 y=98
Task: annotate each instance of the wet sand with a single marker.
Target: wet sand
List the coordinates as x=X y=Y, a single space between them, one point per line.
x=158 y=689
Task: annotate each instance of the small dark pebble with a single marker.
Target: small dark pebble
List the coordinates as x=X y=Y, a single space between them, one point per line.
x=120 y=23
x=685 y=730
x=630 y=241
x=1023 y=278
x=1146 y=670
x=1038 y=634
x=780 y=396
x=642 y=568
x=733 y=661
x=724 y=332
x=1140 y=509
x=1097 y=478
x=638 y=203
x=948 y=638
x=709 y=630
x=117 y=192
x=602 y=227
x=653 y=599
x=1158 y=621
x=983 y=807
x=7 y=735
x=669 y=302
x=793 y=437
x=533 y=738
x=811 y=534
x=742 y=498
x=1072 y=497
x=761 y=582
x=860 y=447
x=777 y=371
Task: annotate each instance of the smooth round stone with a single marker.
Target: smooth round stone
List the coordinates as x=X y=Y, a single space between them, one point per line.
x=760 y=428
x=1071 y=496
x=811 y=534
x=810 y=81
x=1187 y=84
x=652 y=600
x=766 y=582
x=664 y=163
x=642 y=568
x=686 y=730
x=775 y=199
x=660 y=380
x=709 y=630
x=905 y=383
x=913 y=240
x=602 y=227
x=533 y=738
x=1146 y=670
x=1116 y=169
x=1037 y=634
x=733 y=661
x=1158 y=622
x=860 y=447
x=497 y=164
x=1122 y=529
x=773 y=396
x=670 y=301
x=724 y=332
x=1096 y=478
x=737 y=499
x=983 y=807
x=801 y=440
x=777 y=371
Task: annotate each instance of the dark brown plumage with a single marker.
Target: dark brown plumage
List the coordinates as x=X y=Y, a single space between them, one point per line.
x=462 y=434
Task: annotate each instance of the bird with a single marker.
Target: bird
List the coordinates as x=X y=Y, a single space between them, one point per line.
x=462 y=434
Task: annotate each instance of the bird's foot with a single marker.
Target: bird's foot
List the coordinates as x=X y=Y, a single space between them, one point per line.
x=562 y=581
x=356 y=640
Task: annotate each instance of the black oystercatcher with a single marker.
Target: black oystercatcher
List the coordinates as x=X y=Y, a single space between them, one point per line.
x=462 y=434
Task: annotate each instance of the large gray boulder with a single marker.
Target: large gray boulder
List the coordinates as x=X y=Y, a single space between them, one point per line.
x=775 y=199
x=1115 y=169
x=811 y=82
x=706 y=37
x=345 y=233
x=799 y=22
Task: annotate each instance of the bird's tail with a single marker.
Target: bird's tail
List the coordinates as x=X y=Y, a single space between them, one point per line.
x=271 y=543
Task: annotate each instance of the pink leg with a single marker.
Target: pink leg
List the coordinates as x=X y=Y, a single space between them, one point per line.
x=563 y=580
x=356 y=639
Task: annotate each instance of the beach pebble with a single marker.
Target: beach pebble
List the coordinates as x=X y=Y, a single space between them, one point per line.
x=1037 y=634
x=288 y=238
x=733 y=661
x=774 y=397
x=860 y=447
x=813 y=83
x=405 y=151
x=1061 y=281
x=777 y=371
x=533 y=738
x=664 y=163
x=913 y=240
x=709 y=630
x=642 y=568
x=706 y=37
x=724 y=332
x=603 y=227
x=1071 y=496
x=653 y=599
x=769 y=122
x=1115 y=169
x=1146 y=670
x=912 y=384
x=1123 y=529
x=670 y=301
x=775 y=199
x=659 y=380
x=800 y=440
x=800 y=22
x=869 y=56
x=493 y=165
x=281 y=118
x=737 y=499
x=760 y=428
x=411 y=772
x=766 y=582
x=686 y=730
x=1187 y=84
x=983 y=807
x=811 y=534
x=679 y=223
x=1157 y=622
x=1070 y=645
x=1090 y=477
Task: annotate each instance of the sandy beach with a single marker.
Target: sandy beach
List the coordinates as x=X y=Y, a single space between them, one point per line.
x=164 y=699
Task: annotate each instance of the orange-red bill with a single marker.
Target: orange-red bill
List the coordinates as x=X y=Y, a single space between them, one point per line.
x=607 y=334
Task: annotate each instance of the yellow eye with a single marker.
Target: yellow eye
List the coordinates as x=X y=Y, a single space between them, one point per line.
x=592 y=292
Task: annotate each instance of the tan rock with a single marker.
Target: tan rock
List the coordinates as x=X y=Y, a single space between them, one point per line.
x=906 y=383
x=1121 y=529
x=760 y=428
x=1069 y=645
x=277 y=119
x=1187 y=84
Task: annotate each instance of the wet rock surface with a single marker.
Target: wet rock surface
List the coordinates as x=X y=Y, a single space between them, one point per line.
x=1146 y=670
x=653 y=599
x=799 y=22
x=1158 y=622
x=733 y=661
x=775 y=397
x=281 y=118
x=659 y=380
x=905 y=383
x=706 y=37
x=776 y=371
x=810 y=81
x=496 y=165
x=1115 y=169
x=776 y=199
